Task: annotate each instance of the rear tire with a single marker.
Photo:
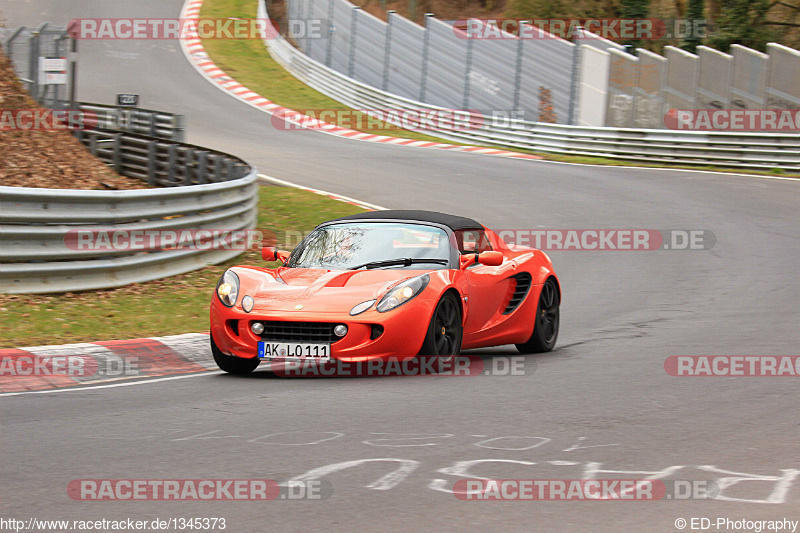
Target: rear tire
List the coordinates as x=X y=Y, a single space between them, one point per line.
x=230 y=364
x=445 y=331
x=545 y=327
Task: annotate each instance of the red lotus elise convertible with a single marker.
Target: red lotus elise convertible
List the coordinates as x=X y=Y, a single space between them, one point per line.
x=385 y=284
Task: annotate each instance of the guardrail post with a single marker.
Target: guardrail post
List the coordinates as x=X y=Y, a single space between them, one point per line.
x=171 y=154
x=188 y=166
x=425 y=44
x=217 y=176
x=387 y=49
x=116 y=153
x=93 y=144
x=467 y=69
x=152 y=163
x=179 y=128
x=228 y=169
x=201 y=166
x=351 y=66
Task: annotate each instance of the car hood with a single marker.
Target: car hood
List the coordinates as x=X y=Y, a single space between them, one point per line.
x=319 y=291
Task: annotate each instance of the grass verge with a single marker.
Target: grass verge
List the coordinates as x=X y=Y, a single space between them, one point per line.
x=168 y=306
x=248 y=61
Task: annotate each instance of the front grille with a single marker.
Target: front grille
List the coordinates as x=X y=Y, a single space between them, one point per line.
x=278 y=331
x=523 y=285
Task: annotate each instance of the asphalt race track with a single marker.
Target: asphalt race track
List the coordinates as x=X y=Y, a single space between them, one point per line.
x=601 y=405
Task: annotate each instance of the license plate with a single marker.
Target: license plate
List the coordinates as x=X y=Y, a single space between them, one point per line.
x=292 y=350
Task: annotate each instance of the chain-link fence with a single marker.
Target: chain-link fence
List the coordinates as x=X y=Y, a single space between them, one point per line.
x=52 y=85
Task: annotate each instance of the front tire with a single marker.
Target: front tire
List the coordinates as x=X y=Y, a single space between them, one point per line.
x=445 y=330
x=545 y=327
x=232 y=365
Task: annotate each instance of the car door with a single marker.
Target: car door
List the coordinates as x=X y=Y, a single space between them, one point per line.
x=488 y=287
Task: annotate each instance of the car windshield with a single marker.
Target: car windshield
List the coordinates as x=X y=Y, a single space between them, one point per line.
x=350 y=246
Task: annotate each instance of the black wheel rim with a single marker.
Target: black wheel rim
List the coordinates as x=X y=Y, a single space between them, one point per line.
x=447 y=328
x=548 y=312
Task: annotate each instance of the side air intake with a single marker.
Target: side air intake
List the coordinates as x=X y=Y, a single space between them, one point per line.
x=523 y=285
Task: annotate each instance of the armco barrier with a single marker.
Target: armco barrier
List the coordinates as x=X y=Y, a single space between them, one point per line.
x=762 y=151
x=137 y=120
x=35 y=257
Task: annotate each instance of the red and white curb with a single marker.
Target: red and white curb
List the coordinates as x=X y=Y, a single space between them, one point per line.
x=193 y=48
x=49 y=367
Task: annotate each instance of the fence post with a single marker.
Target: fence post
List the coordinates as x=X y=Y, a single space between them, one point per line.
x=331 y=32
x=10 y=40
x=518 y=73
x=573 y=91
x=73 y=70
x=468 y=68
x=387 y=49
x=309 y=10
x=33 y=63
x=353 y=23
x=424 y=71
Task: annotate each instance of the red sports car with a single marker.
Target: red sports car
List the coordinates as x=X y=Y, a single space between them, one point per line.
x=386 y=284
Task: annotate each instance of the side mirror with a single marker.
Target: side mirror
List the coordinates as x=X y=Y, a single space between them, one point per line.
x=270 y=253
x=490 y=258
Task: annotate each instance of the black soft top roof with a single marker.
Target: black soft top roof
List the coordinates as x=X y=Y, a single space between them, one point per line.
x=451 y=221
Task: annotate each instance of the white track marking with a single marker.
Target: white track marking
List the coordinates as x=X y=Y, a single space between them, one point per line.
x=110 y=385
x=359 y=203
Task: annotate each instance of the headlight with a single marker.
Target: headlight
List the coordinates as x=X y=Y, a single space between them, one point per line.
x=228 y=288
x=403 y=292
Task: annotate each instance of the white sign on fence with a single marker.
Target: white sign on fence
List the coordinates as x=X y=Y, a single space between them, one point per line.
x=52 y=71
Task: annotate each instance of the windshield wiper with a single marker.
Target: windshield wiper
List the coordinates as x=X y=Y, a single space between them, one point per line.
x=405 y=261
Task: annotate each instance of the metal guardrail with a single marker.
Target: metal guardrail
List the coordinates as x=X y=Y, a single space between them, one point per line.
x=160 y=162
x=763 y=151
x=35 y=256
x=137 y=120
